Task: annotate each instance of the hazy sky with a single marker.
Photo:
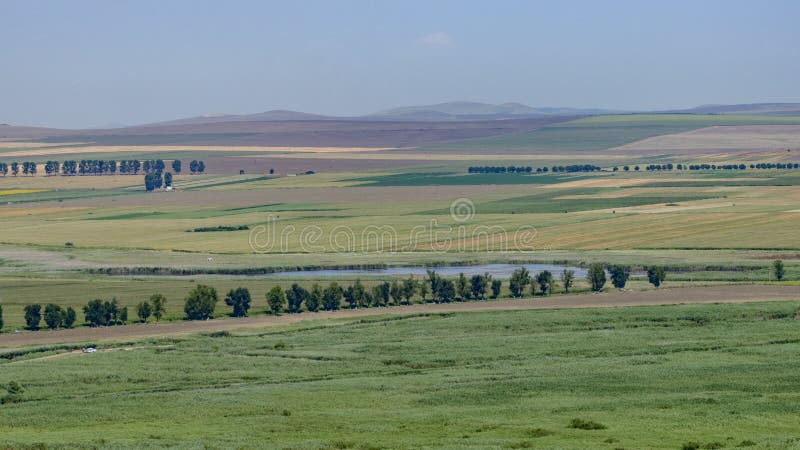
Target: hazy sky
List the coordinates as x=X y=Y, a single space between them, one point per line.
x=91 y=63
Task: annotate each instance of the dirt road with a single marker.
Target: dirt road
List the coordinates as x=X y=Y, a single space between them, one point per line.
x=664 y=296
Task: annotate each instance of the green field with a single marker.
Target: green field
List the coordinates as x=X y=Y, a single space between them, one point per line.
x=655 y=377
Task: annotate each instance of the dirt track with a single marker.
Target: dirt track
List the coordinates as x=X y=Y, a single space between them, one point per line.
x=710 y=294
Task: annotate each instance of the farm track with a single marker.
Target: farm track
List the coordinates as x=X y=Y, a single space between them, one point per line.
x=664 y=296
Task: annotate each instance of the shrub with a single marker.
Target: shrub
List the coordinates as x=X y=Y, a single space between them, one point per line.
x=539 y=432
x=580 y=424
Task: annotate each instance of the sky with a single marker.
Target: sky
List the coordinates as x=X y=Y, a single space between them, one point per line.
x=75 y=64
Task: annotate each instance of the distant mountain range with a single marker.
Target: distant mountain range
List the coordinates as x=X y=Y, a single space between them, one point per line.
x=479 y=111
x=471 y=111
x=768 y=109
x=451 y=111
x=442 y=121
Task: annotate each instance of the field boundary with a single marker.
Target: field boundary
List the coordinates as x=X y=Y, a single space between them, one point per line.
x=613 y=298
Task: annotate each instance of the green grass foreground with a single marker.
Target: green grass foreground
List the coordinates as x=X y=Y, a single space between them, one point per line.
x=644 y=377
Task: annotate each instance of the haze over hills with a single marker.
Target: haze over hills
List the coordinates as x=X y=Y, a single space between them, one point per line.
x=267 y=116
x=478 y=111
x=771 y=109
x=396 y=127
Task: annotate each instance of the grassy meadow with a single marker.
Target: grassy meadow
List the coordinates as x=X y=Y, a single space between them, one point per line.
x=644 y=377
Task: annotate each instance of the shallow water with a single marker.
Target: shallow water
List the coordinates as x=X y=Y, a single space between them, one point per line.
x=495 y=270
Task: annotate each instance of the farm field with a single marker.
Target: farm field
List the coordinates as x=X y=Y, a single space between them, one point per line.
x=72 y=239
x=504 y=373
x=643 y=377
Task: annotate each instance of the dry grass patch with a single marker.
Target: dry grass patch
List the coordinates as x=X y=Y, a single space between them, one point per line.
x=744 y=137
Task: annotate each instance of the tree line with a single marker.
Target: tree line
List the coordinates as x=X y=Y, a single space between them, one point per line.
x=201 y=302
x=739 y=166
x=649 y=168
x=98 y=167
x=528 y=169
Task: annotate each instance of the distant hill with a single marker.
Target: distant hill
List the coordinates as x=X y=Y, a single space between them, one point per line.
x=11 y=132
x=771 y=109
x=267 y=116
x=477 y=111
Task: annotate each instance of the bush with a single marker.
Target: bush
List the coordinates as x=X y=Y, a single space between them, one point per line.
x=580 y=424
x=14 y=393
x=777 y=269
x=539 y=432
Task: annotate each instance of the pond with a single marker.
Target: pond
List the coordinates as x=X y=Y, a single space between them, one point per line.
x=495 y=270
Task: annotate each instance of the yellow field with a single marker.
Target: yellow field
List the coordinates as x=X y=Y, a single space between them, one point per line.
x=20 y=191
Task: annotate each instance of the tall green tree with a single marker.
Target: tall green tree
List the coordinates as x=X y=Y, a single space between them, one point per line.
x=567 y=279
x=167 y=179
x=619 y=275
x=239 y=299
x=396 y=292
x=295 y=297
x=496 y=286
x=200 y=303
x=276 y=300
x=381 y=294
x=462 y=287
x=332 y=297
x=176 y=166
x=777 y=269
x=544 y=279
x=478 y=285
x=434 y=280
x=158 y=305
x=447 y=291
x=33 y=315
x=1 y=318
x=314 y=300
x=518 y=281
x=596 y=277
x=409 y=289
x=144 y=311
x=69 y=317
x=423 y=291
x=350 y=297
x=95 y=313
x=656 y=275
x=53 y=316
